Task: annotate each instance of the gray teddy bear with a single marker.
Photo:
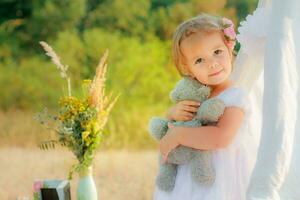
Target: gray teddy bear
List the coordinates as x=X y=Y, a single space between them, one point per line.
x=200 y=161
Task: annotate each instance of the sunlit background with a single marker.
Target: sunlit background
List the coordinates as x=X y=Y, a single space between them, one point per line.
x=138 y=36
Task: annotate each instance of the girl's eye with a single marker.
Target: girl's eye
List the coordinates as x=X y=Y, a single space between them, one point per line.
x=218 y=51
x=199 y=60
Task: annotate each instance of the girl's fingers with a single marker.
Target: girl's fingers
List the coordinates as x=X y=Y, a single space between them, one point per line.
x=185 y=114
x=190 y=108
x=191 y=103
x=188 y=118
x=188 y=114
x=185 y=117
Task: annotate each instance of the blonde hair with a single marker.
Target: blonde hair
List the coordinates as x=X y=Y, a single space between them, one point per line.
x=203 y=22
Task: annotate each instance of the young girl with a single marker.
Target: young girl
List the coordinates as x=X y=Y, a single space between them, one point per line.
x=203 y=49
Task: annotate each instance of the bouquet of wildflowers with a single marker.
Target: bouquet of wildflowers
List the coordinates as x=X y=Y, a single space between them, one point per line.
x=80 y=122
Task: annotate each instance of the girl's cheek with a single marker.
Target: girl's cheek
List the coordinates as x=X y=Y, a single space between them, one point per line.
x=225 y=60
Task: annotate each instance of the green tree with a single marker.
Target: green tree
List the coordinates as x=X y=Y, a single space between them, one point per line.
x=46 y=19
x=14 y=9
x=165 y=20
x=242 y=7
x=126 y=16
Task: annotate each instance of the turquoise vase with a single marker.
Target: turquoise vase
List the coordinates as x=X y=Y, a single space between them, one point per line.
x=86 y=189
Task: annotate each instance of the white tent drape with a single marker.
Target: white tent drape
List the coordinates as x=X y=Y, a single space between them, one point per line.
x=268 y=67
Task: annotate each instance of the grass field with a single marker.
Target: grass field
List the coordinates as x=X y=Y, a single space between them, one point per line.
x=119 y=175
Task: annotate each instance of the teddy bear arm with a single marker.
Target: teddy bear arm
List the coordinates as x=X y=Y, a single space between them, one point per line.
x=211 y=110
x=158 y=127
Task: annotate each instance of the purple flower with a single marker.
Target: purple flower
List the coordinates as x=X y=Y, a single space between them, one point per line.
x=37 y=186
x=229 y=29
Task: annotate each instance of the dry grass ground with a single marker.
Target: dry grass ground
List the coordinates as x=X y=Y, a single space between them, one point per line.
x=119 y=175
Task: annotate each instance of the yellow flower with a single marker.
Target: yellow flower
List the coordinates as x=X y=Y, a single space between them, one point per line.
x=81 y=108
x=85 y=134
x=88 y=141
x=87 y=81
x=95 y=127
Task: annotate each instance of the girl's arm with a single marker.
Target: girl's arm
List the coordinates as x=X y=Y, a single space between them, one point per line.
x=212 y=137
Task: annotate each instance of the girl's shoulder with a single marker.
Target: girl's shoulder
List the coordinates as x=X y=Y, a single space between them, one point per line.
x=234 y=96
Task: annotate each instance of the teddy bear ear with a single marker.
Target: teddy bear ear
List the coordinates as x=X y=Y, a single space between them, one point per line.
x=174 y=95
x=178 y=91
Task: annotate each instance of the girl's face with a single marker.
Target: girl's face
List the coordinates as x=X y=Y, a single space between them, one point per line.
x=206 y=57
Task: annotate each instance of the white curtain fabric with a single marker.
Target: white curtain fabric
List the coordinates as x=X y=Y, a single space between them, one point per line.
x=268 y=67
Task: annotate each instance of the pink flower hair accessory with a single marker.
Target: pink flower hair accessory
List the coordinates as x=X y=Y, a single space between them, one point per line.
x=229 y=33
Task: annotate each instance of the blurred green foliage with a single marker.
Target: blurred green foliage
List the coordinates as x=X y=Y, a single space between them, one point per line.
x=137 y=33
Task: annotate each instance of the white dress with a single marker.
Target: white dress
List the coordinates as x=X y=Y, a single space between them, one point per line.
x=233 y=164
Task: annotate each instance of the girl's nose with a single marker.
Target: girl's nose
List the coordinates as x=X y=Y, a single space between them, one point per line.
x=213 y=65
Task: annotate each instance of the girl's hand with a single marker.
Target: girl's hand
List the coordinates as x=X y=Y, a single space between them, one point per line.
x=168 y=142
x=183 y=111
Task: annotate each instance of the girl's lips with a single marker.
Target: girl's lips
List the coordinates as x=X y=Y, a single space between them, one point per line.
x=216 y=73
